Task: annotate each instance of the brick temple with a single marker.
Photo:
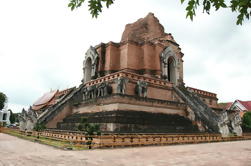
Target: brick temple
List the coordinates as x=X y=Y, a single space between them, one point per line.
x=137 y=86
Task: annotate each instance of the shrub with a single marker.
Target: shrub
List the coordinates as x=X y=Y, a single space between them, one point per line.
x=89 y=130
x=246 y=121
x=39 y=127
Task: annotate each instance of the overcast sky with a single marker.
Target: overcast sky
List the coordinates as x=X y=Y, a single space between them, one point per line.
x=43 y=44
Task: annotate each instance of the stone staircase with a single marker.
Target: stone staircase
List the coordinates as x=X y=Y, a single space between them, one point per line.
x=202 y=112
x=131 y=122
x=48 y=114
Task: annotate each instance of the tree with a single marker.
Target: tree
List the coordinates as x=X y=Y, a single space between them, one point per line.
x=12 y=117
x=241 y=7
x=16 y=117
x=95 y=6
x=3 y=100
x=246 y=121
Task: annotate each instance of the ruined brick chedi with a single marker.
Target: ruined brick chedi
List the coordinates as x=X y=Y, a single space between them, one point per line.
x=137 y=85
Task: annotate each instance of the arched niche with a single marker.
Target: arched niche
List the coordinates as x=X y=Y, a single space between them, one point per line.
x=90 y=64
x=171 y=70
x=169 y=65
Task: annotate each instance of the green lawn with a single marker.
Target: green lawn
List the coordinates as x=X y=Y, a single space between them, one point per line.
x=47 y=141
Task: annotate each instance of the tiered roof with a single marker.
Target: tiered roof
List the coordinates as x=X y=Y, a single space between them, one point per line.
x=49 y=99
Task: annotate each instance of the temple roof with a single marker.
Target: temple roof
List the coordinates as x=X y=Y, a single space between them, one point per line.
x=225 y=106
x=45 y=98
x=202 y=92
x=49 y=99
x=246 y=104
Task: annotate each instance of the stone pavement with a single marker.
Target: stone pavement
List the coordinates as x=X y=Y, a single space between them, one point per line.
x=15 y=151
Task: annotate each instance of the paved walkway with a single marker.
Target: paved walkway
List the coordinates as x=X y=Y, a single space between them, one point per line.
x=15 y=151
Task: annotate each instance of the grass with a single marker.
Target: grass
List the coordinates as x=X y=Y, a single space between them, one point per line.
x=67 y=145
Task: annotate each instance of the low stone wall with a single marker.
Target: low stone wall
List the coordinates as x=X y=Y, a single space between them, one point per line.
x=125 y=140
x=142 y=140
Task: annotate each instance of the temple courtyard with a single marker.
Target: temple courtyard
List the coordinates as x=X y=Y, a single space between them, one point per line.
x=16 y=151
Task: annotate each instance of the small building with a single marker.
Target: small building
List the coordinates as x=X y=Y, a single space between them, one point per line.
x=5 y=116
x=241 y=106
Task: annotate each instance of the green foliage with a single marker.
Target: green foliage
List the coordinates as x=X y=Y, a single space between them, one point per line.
x=16 y=117
x=246 y=120
x=3 y=100
x=46 y=140
x=2 y=124
x=95 y=6
x=12 y=117
x=241 y=7
x=89 y=130
x=39 y=127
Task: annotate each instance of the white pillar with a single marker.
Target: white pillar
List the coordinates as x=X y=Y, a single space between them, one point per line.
x=8 y=117
x=1 y=116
